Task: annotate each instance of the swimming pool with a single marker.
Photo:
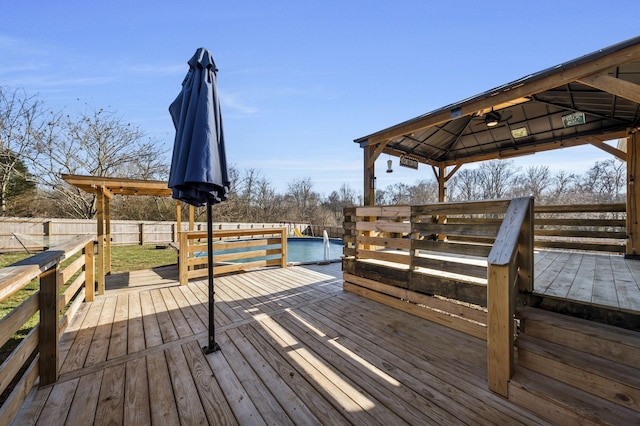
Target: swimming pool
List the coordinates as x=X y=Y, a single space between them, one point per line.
x=299 y=250
x=310 y=250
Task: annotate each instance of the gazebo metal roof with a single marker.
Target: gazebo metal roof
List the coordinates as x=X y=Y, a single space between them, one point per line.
x=588 y=100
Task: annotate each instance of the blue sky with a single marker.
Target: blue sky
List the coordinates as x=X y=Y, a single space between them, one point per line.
x=299 y=80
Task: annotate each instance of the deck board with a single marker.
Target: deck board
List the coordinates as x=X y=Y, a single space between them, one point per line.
x=296 y=349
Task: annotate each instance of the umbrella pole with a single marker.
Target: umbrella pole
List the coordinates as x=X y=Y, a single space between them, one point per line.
x=212 y=346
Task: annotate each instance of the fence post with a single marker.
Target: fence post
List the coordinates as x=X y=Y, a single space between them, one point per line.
x=283 y=238
x=89 y=277
x=48 y=329
x=141 y=229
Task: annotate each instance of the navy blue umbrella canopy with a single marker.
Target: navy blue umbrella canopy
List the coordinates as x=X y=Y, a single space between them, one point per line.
x=199 y=173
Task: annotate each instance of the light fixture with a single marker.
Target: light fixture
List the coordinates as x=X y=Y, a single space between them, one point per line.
x=520 y=132
x=389 y=166
x=491 y=119
x=373 y=182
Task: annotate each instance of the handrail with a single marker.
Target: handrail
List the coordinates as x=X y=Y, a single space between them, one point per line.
x=510 y=262
x=44 y=338
x=188 y=261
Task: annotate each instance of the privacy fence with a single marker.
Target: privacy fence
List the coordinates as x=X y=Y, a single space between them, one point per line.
x=36 y=234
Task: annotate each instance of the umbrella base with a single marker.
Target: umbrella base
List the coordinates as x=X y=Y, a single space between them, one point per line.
x=211 y=349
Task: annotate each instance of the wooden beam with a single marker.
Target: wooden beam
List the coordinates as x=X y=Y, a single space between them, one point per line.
x=621 y=155
x=615 y=86
x=511 y=152
x=513 y=92
x=376 y=153
x=106 y=192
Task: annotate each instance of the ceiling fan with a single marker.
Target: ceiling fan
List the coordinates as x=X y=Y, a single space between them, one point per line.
x=493 y=118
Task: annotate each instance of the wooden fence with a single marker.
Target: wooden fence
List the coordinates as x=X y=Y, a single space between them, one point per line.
x=37 y=354
x=36 y=234
x=235 y=250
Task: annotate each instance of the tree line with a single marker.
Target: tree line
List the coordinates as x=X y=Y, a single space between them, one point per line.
x=38 y=145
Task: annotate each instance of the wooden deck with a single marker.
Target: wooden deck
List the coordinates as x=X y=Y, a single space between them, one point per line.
x=296 y=349
x=598 y=280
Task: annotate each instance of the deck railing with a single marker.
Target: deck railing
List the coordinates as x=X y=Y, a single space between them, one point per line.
x=510 y=271
x=455 y=263
x=233 y=250
x=37 y=354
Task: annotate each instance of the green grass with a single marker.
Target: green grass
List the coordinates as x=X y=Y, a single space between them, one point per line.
x=135 y=258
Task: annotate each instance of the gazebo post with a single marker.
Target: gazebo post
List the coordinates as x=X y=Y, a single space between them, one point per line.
x=633 y=197
x=369 y=177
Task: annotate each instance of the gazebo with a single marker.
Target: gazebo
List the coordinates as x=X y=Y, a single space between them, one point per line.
x=589 y=100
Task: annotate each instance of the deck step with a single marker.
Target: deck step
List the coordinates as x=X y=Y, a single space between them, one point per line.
x=565 y=405
x=612 y=381
x=605 y=341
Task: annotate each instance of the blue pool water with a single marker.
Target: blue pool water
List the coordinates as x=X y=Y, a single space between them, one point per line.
x=301 y=250
x=304 y=250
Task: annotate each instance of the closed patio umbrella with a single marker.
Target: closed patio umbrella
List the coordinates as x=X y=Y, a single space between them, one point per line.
x=199 y=173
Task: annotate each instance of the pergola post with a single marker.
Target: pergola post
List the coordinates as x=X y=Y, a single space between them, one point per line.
x=191 y=217
x=100 y=248
x=107 y=237
x=633 y=196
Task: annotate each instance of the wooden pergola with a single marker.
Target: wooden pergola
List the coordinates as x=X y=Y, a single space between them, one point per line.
x=589 y=100
x=105 y=189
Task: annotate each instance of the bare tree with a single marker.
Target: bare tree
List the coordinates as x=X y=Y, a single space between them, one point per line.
x=496 y=178
x=535 y=181
x=424 y=191
x=98 y=143
x=302 y=198
x=22 y=121
x=464 y=185
x=605 y=180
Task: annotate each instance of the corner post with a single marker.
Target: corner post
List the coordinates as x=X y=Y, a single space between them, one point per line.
x=49 y=328
x=500 y=363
